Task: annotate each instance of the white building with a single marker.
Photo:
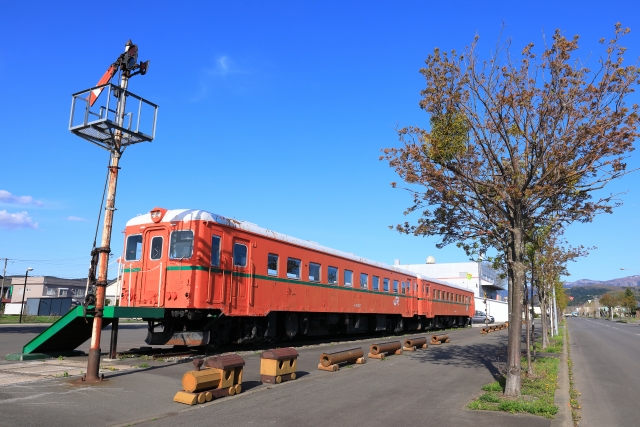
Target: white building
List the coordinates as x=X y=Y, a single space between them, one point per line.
x=478 y=277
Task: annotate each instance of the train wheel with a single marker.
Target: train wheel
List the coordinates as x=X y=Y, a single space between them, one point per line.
x=278 y=379
x=232 y=390
x=294 y=376
x=238 y=388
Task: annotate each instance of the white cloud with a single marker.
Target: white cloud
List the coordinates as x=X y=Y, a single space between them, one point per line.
x=7 y=197
x=77 y=218
x=221 y=69
x=16 y=220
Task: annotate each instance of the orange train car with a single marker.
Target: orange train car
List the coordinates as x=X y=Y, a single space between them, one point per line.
x=221 y=280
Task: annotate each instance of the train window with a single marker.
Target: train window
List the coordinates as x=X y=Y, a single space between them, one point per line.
x=239 y=255
x=376 y=283
x=395 y=286
x=385 y=285
x=332 y=276
x=348 y=278
x=134 y=247
x=181 y=246
x=272 y=265
x=403 y=287
x=215 y=251
x=426 y=290
x=156 y=248
x=293 y=268
x=438 y=294
x=364 y=280
x=314 y=272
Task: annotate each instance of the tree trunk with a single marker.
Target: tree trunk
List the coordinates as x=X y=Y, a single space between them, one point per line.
x=545 y=322
x=514 y=380
x=533 y=325
x=528 y=340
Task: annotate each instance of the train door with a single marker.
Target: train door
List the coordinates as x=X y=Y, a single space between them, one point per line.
x=241 y=275
x=215 y=280
x=412 y=291
x=153 y=267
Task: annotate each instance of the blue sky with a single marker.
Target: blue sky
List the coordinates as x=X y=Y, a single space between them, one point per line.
x=270 y=112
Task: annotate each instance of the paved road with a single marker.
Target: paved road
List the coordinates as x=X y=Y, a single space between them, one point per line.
x=606 y=368
x=14 y=337
x=430 y=387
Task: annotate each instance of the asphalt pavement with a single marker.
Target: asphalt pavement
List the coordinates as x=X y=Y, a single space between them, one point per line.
x=606 y=370
x=431 y=387
x=14 y=337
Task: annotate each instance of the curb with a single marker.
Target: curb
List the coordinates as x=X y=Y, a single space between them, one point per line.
x=27 y=356
x=561 y=398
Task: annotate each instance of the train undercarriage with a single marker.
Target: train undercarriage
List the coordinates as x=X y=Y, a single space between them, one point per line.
x=212 y=328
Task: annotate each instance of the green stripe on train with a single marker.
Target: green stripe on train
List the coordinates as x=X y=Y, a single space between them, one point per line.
x=290 y=281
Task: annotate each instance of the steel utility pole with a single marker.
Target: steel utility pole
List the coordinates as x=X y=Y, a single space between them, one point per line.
x=24 y=291
x=4 y=274
x=113 y=132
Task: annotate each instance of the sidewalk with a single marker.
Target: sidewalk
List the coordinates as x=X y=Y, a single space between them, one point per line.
x=430 y=386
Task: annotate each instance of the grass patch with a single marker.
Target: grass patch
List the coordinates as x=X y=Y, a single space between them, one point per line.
x=537 y=392
x=555 y=343
x=11 y=319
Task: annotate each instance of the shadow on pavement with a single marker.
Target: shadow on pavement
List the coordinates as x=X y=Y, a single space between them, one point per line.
x=466 y=356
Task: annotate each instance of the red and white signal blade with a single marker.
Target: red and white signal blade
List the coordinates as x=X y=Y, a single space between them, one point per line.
x=93 y=96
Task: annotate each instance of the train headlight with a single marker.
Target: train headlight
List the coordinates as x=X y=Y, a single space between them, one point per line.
x=157 y=214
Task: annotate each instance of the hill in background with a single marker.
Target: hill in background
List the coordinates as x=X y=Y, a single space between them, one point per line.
x=623 y=282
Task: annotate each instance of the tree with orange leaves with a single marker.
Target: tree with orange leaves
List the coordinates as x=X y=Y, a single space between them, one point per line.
x=514 y=145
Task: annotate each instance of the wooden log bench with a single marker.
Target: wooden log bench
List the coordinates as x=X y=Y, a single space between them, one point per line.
x=329 y=361
x=411 y=344
x=439 y=339
x=383 y=349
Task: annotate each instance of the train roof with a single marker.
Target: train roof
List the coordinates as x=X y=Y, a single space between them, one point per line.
x=187 y=215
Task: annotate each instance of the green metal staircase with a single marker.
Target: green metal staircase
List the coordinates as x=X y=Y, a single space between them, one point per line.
x=73 y=329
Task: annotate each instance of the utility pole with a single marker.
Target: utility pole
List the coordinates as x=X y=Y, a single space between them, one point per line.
x=4 y=274
x=114 y=133
x=93 y=366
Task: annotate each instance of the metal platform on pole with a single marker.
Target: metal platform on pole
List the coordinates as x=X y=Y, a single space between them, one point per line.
x=99 y=123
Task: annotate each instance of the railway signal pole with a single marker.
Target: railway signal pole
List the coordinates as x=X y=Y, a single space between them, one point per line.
x=113 y=130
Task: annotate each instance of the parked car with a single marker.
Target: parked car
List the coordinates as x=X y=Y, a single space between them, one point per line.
x=481 y=317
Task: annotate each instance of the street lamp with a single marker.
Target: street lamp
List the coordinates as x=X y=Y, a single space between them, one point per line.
x=622 y=268
x=24 y=291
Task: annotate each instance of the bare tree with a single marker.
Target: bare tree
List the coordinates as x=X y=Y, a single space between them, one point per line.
x=513 y=143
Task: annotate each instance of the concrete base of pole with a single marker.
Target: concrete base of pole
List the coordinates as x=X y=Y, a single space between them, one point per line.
x=93 y=368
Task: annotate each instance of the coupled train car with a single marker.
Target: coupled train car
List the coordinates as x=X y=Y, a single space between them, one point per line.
x=220 y=280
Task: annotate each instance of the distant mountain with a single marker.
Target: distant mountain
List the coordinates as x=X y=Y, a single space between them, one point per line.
x=621 y=282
